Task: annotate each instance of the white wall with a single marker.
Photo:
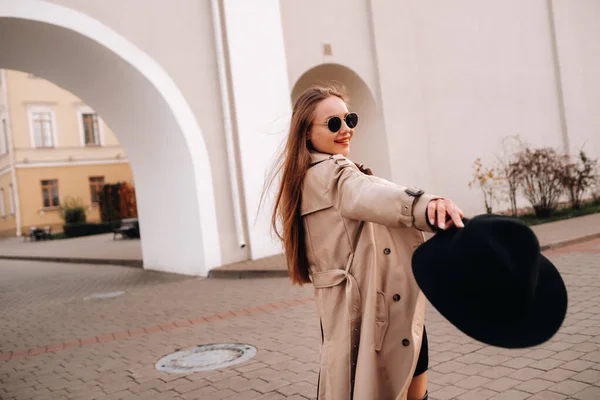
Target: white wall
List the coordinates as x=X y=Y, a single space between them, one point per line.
x=578 y=39
x=262 y=106
x=345 y=24
x=456 y=77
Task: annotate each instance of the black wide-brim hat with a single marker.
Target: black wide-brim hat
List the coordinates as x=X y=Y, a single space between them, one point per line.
x=490 y=280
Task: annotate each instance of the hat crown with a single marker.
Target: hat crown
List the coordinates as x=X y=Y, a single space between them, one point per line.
x=500 y=263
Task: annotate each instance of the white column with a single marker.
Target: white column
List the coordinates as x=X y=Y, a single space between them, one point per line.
x=262 y=104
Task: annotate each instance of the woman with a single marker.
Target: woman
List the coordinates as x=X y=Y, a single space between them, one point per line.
x=352 y=236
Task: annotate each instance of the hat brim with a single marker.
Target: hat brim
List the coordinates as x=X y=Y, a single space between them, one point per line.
x=546 y=312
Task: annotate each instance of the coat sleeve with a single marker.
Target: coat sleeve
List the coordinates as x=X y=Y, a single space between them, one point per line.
x=367 y=198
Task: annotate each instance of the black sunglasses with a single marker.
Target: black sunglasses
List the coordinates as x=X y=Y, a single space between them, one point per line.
x=335 y=123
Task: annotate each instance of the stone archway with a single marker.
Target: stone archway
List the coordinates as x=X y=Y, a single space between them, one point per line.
x=369 y=145
x=145 y=109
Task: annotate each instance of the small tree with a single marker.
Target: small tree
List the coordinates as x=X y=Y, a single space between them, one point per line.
x=72 y=211
x=487 y=179
x=508 y=169
x=595 y=188
x=117 y=201
x=539 y=173
x=578 y=177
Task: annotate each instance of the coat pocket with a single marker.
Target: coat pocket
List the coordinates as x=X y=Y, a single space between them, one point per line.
x=381 y=320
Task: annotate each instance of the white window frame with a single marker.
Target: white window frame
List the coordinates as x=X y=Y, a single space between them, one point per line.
x=3 y=136
x=42 y=108
x=11 y=198
x=88 y=110
x=2 y=205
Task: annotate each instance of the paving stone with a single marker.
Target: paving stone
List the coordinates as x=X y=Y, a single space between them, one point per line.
x=474 y=369
x=301 y=388
x=525 y=374
x=590 y=376
x=497 y=372
x=590 y=393
x=447 y=393
x=534 y=385
x=557 y=375
x=511 y=395
x=519 y=362
x=472 y=382
x=547 y=364
x=547 y=395
x=568 y=355
x=477 y=394
x=577 y=365
x=502 y=384
x=593 y=356
x=568 y=387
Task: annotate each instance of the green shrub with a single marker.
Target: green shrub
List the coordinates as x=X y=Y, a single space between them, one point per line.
x=72 y=211
x=86 y=229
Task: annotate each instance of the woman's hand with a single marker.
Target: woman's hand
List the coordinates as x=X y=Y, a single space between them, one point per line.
x=443 y=213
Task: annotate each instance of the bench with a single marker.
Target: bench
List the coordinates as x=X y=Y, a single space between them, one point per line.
x=129 y=229
x=36 y=234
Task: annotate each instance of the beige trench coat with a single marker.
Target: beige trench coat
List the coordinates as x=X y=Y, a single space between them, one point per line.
x=360 y=233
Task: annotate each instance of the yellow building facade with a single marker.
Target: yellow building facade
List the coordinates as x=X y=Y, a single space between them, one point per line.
x=52 y=147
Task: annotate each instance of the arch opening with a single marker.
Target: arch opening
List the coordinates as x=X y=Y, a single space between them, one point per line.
x=146 y=111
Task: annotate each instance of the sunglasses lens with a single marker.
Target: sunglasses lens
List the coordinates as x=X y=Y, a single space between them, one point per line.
x=352 y=120
x=334 y=124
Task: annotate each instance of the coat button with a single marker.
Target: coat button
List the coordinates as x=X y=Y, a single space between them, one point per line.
x=405 y=342
x=396 y=297
x=386 y=251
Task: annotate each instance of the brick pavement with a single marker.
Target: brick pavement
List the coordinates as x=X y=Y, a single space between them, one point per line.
x=43 y=306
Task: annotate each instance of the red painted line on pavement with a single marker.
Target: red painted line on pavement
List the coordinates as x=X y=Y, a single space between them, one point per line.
x=110 y=337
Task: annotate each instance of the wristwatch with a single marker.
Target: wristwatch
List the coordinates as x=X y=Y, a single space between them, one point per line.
x=415 y=193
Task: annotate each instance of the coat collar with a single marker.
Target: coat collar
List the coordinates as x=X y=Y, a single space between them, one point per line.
x=316 y=157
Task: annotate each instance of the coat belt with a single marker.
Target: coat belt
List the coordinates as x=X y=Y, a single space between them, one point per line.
x=334 y=277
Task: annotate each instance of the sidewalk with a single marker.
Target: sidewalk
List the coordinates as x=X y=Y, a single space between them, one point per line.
x=97 y=249
x=102 y=249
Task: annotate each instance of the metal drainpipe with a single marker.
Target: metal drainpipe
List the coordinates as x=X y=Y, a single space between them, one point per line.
x=11 y=155
x=229 y=139
x=558 y=78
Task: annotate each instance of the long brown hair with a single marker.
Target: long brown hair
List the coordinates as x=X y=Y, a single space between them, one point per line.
x=294 y=161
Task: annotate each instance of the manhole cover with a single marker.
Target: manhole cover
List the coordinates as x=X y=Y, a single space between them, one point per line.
x=104 y=295
x=207 y=357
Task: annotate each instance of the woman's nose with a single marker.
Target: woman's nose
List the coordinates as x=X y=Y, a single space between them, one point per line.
x=345 y=128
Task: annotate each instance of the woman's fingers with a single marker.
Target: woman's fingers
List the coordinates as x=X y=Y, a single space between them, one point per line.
x=444 y=214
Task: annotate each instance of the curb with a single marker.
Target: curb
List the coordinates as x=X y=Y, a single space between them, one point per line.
x=219 y=273
x=246 y=274
x=568 y=242
x=103 y=261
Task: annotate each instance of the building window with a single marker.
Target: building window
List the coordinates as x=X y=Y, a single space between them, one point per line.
x=42 y=127
x=2 y=205
x=4 y=138
x=50 y=193
x=11 y=199
x=96 y=183
x=91 y=131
